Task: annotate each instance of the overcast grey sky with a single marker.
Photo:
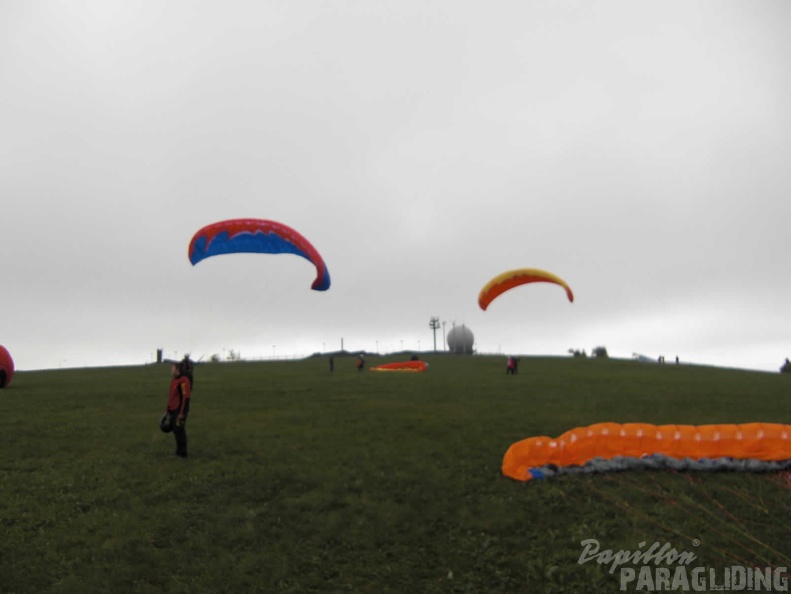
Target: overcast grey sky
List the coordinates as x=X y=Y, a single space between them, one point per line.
x=639 y=150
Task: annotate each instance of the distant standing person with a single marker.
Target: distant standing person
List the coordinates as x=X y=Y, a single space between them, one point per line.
x=360 y=363
x=332 y=363
x=178 y=406
x=510 y=366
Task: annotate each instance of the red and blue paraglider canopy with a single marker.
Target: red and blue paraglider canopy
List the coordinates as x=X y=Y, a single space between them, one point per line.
x=257 y=236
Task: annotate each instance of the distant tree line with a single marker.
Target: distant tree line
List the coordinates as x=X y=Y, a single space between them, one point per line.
x=598 y=352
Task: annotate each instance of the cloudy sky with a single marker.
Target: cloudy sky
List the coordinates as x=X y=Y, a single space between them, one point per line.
x=639 y=150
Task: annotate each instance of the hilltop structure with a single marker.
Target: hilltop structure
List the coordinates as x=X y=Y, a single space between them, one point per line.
x=460 y=340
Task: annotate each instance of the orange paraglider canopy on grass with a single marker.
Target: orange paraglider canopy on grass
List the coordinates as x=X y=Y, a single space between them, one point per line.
x=402 y=366
x=612 y=446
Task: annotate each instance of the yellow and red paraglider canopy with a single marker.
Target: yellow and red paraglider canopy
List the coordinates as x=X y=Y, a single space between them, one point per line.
x=513 y=278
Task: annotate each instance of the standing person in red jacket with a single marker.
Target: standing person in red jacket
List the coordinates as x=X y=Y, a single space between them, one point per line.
x=179 y=404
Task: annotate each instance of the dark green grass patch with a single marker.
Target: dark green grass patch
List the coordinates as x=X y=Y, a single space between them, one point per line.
x=302 y=480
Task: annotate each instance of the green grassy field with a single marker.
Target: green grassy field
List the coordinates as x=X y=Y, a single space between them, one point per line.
x=301 y=480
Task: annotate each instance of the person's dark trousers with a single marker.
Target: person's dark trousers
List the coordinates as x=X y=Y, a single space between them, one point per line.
x=180 y=432
x=181 y=441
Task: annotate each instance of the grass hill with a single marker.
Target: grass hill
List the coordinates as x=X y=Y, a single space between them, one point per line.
x=302 y=480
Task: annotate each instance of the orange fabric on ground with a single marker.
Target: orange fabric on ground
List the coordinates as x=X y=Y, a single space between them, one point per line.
x=759 y=441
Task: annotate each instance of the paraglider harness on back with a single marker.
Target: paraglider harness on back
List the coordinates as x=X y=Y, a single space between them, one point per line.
x=185 y=369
